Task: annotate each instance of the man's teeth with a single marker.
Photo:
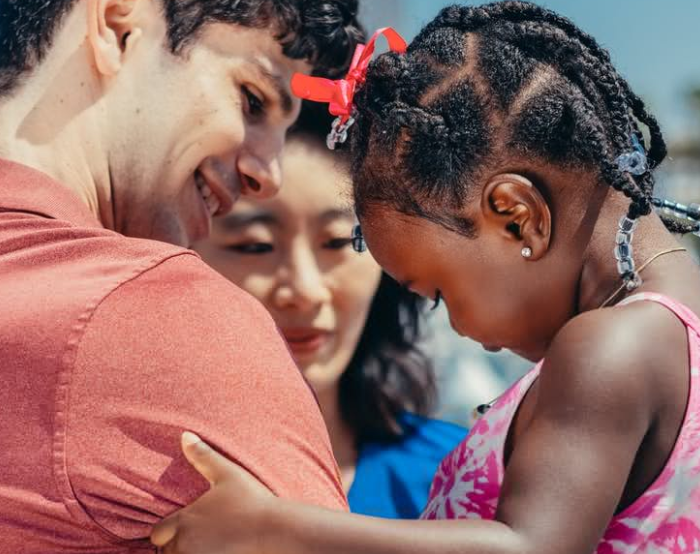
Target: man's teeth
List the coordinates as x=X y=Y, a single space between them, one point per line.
x=210 y=199
x=213 y=204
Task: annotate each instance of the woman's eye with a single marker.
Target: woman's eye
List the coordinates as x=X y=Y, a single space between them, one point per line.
x=256 y=106
x=436 y=300
x=252 y=248
x=338 y=244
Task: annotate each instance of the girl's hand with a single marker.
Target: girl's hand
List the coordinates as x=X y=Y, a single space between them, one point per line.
x=214 y=524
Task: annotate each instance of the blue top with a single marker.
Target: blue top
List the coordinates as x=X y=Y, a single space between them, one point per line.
x=392 y=479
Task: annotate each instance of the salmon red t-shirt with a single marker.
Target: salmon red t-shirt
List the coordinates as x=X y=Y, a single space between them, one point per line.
x=110 y=347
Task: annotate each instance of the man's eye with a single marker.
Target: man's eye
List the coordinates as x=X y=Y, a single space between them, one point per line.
x=252 y=248
x=338 y=244
x=256 y=106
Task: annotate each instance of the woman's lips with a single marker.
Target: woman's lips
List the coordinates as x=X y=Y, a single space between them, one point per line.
x=305 y=341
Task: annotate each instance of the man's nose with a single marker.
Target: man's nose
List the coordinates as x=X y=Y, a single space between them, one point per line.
x=261 y=170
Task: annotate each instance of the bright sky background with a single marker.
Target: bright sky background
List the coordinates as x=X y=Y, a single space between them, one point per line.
x=654 y=43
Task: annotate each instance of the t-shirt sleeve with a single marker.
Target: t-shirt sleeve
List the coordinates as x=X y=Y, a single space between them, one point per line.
x=180 y=348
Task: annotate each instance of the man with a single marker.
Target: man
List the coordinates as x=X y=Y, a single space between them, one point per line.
x=124 y=121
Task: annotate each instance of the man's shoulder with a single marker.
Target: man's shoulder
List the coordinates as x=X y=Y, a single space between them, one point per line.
x=176 y=287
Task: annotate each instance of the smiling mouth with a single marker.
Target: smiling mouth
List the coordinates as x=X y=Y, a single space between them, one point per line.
x=217 y=197
x=211 y=200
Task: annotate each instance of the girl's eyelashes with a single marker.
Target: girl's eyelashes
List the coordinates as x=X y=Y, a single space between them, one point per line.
x=256 y=105
x=437 y=299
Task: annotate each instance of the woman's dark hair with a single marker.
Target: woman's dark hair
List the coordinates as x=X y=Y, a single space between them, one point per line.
x=322 y=31
x=388 y=373
x=498 y=83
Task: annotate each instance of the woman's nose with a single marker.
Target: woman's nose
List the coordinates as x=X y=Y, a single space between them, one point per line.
x=304 y=286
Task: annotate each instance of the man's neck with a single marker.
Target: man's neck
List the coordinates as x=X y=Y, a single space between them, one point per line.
x=50 y=124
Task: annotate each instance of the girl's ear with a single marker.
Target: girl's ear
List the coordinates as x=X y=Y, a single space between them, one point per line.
x=512 y=204
x=113 y=28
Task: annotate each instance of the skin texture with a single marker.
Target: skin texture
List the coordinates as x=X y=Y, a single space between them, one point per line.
x=592 y=433
x=137 y=124
x=293 y=253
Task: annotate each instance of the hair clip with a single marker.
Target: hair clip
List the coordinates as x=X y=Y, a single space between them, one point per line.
x=634 y=162
x=626 y=267
x=339 y=132
x=690 y=211
x=358 y=241
x=340 y=93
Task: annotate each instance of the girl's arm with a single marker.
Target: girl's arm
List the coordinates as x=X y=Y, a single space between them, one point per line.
x=563 y=482
x=240 y=516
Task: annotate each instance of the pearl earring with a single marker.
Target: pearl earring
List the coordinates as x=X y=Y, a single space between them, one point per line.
x=526 y=252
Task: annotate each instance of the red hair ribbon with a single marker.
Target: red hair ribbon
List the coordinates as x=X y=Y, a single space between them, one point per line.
x=339 y=94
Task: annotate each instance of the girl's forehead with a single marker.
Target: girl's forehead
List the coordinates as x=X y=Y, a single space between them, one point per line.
x=394 y=238
x=382 y=219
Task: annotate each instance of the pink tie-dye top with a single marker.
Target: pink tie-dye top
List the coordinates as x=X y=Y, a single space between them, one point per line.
x=663 y=520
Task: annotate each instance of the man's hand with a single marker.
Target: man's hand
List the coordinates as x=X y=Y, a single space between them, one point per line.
x=231 y=517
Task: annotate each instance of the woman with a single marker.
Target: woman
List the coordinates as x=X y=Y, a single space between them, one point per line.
x=351 y=329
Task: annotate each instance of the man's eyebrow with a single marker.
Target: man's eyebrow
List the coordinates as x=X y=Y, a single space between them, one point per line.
x=280 y=87
x=236 y=221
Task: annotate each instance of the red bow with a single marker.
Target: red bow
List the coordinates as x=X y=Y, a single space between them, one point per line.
x=340 y=93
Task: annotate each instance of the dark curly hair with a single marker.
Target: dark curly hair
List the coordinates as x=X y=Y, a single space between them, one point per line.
x=322 y=31
x=388 y=373
x=484 y=85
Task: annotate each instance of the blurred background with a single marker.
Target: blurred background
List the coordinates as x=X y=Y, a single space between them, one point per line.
x=656 y=46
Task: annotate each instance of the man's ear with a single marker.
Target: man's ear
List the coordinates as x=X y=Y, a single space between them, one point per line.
x=113 y=28
x=514 y=205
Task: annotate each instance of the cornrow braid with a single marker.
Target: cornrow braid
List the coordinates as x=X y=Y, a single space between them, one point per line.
x=520 y=11
x=555 y=40
x=623 y=106
x=481 y=83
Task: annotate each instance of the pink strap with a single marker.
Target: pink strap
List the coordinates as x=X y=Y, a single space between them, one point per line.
x=685 y=314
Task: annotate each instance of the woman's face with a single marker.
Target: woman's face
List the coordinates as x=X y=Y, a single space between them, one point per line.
x=293 y=253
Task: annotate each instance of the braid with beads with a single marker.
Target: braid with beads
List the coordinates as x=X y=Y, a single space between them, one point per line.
x=496 y=80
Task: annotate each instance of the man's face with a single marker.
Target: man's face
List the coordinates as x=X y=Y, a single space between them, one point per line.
x=191 y=133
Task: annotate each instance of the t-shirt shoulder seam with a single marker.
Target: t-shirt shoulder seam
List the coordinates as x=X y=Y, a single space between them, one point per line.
x=62 y=404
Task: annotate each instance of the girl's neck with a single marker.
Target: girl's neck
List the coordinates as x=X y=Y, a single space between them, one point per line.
x=343 y=437
x=600 y=278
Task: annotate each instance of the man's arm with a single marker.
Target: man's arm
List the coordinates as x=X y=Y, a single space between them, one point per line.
x=177 y=348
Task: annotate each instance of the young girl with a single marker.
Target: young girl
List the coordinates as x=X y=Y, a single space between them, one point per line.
x=500 y=165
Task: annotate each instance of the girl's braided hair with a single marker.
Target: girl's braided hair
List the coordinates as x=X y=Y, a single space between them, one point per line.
x=501 y=81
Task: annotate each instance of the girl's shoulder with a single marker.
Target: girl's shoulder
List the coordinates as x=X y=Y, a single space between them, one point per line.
x=636 y=354
x=637 y=334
